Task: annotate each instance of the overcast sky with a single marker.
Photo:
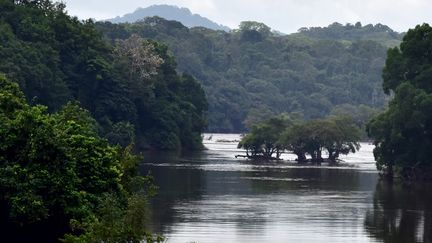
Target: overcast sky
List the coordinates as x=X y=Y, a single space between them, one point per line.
x=284 y=15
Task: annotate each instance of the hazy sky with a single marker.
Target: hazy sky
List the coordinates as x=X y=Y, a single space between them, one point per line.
x=283 y=15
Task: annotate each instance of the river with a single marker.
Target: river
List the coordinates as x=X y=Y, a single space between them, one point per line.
x=210 y=196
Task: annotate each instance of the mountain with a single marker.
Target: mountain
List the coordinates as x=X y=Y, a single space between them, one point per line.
x=169 y=12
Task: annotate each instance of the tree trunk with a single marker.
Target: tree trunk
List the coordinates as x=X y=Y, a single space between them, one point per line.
x=278 y=153
x=332 y=155
x=301 y=157
x=390 y=171
x=313 y=155
x=319 y=155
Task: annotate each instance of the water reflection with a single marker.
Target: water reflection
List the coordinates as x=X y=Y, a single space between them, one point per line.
x=259 y=204
x=401 y=213
x=212 y=197
x=176 y=184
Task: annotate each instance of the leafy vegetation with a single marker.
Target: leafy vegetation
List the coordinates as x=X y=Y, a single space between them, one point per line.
x=252 y=73
x=349 y=32
x=336 y=135
x=263 y=140
x=57 y=176
x=131 y=87
x=402 y=133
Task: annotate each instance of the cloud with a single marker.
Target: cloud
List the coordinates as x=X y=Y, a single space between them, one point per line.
x=284 y=15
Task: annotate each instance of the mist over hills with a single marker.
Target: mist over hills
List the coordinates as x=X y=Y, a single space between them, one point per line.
x=169 y=12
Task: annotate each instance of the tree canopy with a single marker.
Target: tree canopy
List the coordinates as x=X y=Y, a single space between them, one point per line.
x=263 y=140
x=352 y=32
x=130 y=86
x=335 y=135
x=402 y=133
x=57 y=174
x=252 y=71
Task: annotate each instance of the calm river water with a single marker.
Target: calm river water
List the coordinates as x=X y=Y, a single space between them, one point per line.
x=211 y=196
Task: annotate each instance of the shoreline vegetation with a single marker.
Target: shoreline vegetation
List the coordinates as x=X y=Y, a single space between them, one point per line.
x=59 y=180
x=402 y=134
x=74 y=111
x=130 y=86
x=75 y=105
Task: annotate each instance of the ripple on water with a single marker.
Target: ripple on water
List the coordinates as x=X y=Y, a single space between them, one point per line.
x=275 y=218
x=213 y=197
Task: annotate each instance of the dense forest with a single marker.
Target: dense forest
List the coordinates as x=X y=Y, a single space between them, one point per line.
x=402 y=133
x=131 y=87
x=73 y=110
x=253 y=72
x=336 y=31
x=78 y=99
x=60 y=180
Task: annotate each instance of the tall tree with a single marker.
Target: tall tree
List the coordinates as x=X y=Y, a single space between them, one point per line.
x=403 y=133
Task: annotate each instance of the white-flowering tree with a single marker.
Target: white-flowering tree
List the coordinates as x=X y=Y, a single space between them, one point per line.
x=139 y=57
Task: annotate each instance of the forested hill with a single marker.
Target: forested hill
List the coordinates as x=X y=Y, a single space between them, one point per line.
x=169 y=12
x=336 y=31
x=250 y=73
x=131 y=87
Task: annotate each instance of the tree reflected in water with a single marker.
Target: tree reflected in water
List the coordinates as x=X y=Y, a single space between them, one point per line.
x=400 y=214
x=175 y=182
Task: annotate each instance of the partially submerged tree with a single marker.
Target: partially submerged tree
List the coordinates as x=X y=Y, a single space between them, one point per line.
x=263 y=140
x=306 y=138
x=295 y=139
x=342 y=137
x=336 y=135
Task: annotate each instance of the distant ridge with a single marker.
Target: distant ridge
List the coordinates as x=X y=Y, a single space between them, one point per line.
x=354 y=32
x=169 y=12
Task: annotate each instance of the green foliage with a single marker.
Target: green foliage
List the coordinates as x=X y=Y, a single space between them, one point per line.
x=360 y=115
x=337 y=135
x=133 y=97
x=57 y=174
x=262 y=141
x=402 y=133
x=341 y=136
x=296 y=139
x=253 y=31
x=251 y=69
x=122 y=133
x=173 y=116
x=336 y=31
